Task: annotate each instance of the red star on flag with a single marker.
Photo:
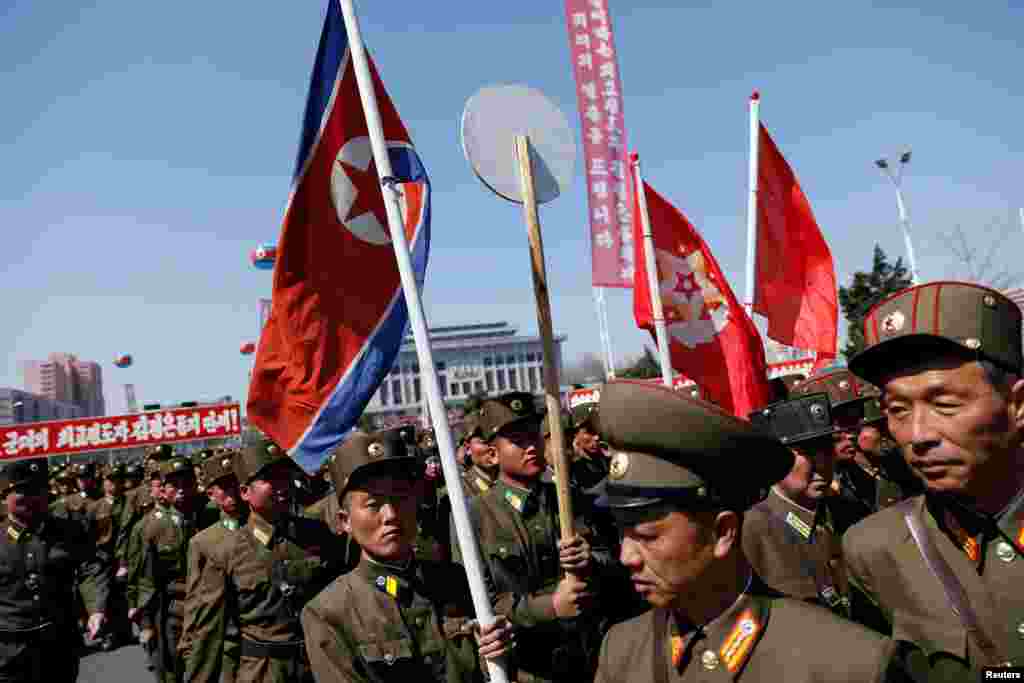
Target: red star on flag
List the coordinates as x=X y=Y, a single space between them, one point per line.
x=686 y=283
x=368 y=196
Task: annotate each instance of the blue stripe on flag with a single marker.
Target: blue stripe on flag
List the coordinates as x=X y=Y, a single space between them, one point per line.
x=333 y=45
x=346 y=403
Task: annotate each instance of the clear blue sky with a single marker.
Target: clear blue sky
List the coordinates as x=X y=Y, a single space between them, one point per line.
x=146 y=147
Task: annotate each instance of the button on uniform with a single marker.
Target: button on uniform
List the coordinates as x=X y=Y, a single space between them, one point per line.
x=1020 y=629
x=709 y=660
x=1005 y=552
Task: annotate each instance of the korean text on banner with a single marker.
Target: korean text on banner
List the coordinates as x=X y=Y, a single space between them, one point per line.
x=606 y=171
x=68 y=437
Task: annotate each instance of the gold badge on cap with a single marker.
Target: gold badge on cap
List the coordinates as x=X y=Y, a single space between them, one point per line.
x=893 y=322
x=989 y=301
x=375 y=449
x=225 y=462
x=972 y=343
x=618 y=465
x=844 y=385
x=516 y=405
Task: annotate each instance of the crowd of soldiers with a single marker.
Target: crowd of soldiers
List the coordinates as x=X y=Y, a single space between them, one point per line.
x=866 y=525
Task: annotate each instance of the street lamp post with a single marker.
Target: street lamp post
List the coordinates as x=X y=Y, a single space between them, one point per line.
x=895 y=178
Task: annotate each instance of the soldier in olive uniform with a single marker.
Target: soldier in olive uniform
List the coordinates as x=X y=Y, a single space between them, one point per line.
x=157 y=590
x=106 y=517
x=260 y=578
x=788 y=537
x=877 y=455
x=517 y=524
x=674 y=489
x=432 y=537
x=394 y=617
x=589 y=463
x=43 y=560
x=947 y=567
x=76 y=505
x=222 y=487
x=482 y=472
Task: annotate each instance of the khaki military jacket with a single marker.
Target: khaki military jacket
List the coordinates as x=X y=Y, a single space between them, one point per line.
x=41 y=570
x=885 y=564
x=518 y=532
x=793 y=553
x=200 y=548
x=476 y=482
x=763 y=637
x=138 y=503
x=167 y=531
x=381 y=624
x=259 y=578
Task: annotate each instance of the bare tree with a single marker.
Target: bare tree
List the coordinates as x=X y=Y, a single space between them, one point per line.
x=587 y=368
x=978 y=256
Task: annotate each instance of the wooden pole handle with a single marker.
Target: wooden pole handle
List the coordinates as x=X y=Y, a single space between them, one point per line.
x=540 y=291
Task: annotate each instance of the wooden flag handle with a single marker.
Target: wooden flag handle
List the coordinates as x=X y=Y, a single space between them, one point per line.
x=540 y=291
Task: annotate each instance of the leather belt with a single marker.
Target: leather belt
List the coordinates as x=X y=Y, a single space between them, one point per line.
x=264 y=649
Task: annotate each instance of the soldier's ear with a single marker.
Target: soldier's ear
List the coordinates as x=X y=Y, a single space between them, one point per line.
x=342 y=522
x=1016 y=405
x=726 y=533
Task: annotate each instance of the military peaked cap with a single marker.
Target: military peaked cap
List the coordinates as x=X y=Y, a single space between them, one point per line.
x=666 y=446
x=258 y=454
x=176 y=466
x=162 y=452
x=847 y=394
x=583 y=407
x=364 y=454
x=114 y=472
x=27 y=473
x=500 y=412
x=218 y=466
x=797 y=420
x=85 y=470
x=935 y=317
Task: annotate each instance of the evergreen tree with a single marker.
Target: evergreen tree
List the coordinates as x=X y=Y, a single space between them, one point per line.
x=644 y=367
x=866 y=290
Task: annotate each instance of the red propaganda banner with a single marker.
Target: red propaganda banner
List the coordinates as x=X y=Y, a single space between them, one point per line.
x=67 y=437
x=599 y=99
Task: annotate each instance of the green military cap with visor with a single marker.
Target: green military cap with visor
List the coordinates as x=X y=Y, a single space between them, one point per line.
x=179 y=465
x=364 y=454
x=798 y=420
x=583 y=407
x=114 y=472
x=29 y=474
x=939 y=317
x=847 y=394
x=218 y=466
x=84 y=470
x=258 y=454
x=669 y=447
x=133 y=471
x=500 y=413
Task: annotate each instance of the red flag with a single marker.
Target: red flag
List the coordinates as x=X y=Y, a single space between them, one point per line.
x=712 y=340
x=795 y=285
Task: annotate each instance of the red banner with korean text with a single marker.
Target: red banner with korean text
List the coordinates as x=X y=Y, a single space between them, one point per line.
x=68 y=437
x=606 y=168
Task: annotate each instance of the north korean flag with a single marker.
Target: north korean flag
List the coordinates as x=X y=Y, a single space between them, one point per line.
x=338 y=316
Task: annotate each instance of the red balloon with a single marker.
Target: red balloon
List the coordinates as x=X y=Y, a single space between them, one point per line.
x=248 y=348
x=123 y=361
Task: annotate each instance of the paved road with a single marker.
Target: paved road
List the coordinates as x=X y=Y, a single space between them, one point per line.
x=123 y=665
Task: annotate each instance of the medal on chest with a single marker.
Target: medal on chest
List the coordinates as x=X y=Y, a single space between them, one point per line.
x=515 y=500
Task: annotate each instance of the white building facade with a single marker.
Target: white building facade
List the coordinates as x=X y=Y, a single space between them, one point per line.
x=486 y=358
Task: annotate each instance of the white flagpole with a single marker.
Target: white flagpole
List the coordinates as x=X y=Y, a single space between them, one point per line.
x=603 y=332
x=650 y=263
x=439 y=416
x=755 y=138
